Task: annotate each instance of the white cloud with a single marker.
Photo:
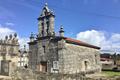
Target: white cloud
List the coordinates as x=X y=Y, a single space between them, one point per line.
x=7 y=31
x=9 y=24
x=99 y=38
x=91 y=36
x=115 y=37
x=23 y=41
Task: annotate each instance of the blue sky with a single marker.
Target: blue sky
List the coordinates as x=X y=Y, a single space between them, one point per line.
x=78 y=17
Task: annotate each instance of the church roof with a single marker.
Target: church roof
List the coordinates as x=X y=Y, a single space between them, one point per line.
x=78 y=42
x=69 y=40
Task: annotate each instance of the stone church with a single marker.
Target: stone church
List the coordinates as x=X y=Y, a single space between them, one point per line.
x=59 y=54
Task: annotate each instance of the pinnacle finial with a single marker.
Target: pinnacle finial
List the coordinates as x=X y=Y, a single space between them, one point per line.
x=32 y=35
x=6 y=37
x=61 y=27
x=61 y=31
x=46 y=4
x=15 y=34
x=10 y=36
x=24 y=47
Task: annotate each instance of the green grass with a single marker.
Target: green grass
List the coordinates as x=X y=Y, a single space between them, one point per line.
x=111 y=73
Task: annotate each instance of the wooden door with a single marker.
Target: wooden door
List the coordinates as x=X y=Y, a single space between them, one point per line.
x=43 y=67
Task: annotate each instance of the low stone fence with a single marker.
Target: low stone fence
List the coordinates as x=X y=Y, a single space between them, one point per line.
x=105 y=78
x=27 y=74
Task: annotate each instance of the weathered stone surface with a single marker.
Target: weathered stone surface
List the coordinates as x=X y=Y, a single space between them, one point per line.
x=9 y=48
x=28 y=74
x=72 y=58
x=48 y=52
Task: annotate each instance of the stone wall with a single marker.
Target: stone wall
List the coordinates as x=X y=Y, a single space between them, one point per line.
x=7 y=67
x=27 y=74
x=72 y=59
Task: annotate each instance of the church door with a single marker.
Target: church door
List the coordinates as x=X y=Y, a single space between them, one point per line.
x=43 y=67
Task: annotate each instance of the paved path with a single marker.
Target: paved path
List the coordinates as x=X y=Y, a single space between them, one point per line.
x=96 y=76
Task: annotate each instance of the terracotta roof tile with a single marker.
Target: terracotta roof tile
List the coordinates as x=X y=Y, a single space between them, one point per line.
x=70 y=40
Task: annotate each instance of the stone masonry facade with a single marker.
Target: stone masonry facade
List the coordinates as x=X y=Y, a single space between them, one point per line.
x=9 y=48
x=73 y=57
x=59 y=54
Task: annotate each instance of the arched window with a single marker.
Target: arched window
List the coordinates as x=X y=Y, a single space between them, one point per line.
x=85 y=65
x=95 y=58
x=42 y=29
x=47 y=30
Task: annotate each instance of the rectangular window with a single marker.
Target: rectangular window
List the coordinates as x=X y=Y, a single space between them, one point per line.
x=55 y=65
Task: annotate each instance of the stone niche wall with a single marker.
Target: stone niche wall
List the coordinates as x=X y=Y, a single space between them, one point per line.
x=28 y=74
x=72 y=59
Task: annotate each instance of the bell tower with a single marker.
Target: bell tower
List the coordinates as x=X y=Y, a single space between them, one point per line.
x=46 y=22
